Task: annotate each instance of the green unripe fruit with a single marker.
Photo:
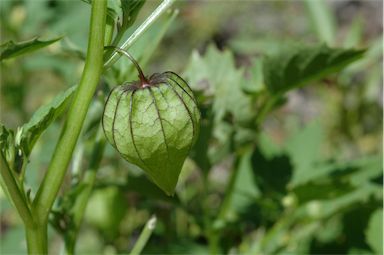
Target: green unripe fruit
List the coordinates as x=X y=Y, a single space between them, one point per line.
x=153 y=124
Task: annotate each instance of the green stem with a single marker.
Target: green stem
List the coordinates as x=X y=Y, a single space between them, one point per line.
x=144 y=236
x=45 y=197
x=142 y=77
x=53 y=179
x=13 y=190
x=266 y=108
x=37 y=239
x=140 y=30
x=50 y=186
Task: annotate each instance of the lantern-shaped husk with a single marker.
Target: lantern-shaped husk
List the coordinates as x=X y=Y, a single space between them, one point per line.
x=153 y=125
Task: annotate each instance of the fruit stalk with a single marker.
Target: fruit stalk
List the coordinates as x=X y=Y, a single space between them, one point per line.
x=143 y=80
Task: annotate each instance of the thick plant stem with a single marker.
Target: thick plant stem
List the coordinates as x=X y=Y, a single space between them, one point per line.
x=37 y=239
x=92 y=71
x=53 y=179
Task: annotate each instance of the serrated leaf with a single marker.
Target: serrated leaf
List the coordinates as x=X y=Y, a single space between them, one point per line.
x=42 y=118
x=11 y=49
x=295 y=67
x=216 y=74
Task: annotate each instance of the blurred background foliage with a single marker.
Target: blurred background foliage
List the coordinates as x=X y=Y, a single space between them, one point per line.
x=308 y=179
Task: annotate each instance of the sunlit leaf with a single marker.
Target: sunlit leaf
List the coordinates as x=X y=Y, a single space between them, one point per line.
x=298 y=66
x=303 y=147
x=42 y=118
x=216 y=74
x=245 y=190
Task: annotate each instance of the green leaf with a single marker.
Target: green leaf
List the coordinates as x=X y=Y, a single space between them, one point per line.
x=374 y=232
x=11 y=49
x=326 y=208
x=296 y=67
x=323 y=189
x=358 y=172
x=245 y=191
x=216 y=74
x=303 y=147
x=131 y=9
x=42 y=118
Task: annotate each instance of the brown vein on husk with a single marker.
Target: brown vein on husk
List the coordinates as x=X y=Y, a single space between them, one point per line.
x=161 y=124
x=114 y=119
x=131 y=130
x=189 y=113
x=186 y=84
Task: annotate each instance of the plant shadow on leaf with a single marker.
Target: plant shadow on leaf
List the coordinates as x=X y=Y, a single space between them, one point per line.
x=272 y=174
x=322 y=189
